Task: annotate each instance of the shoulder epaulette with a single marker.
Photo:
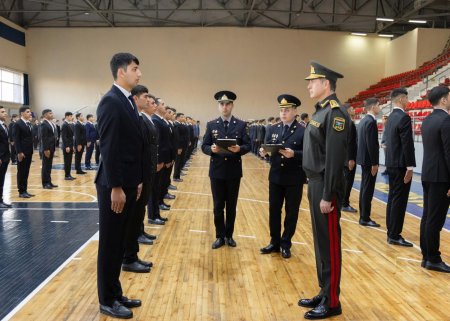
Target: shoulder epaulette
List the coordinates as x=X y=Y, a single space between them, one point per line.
x=334 y=104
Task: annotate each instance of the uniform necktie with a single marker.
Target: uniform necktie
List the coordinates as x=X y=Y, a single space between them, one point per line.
x=5 y=129
x=285 y=129
x=225 y=124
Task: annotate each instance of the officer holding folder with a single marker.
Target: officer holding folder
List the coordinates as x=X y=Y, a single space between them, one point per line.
x=284 y=141
x=225 y=167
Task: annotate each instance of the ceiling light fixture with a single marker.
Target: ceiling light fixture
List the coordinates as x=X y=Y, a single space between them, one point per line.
x=385 y=19
x=359 y=34
x=385 y=36
x=417 y=21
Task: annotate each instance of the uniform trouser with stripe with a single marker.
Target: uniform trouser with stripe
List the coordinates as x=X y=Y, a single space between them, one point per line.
x=327 y=242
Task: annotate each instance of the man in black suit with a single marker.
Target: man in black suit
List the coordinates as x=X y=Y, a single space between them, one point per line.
x=118 y=181
x=350 y=165
x=182 y=144
x=435 y=178
x=11 y=139
x=400 y=161
x=368 y=158
x=67 y=144
x=23 y=141
x=48 y=135
x=35 y=133
x=80 y=142
x=136 y=234
x=91 y=138
x=97 y=147
x=4 y=155
x=225 y=167
x=286 y=176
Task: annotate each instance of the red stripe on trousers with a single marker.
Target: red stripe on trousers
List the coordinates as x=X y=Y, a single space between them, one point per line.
x=334 y=254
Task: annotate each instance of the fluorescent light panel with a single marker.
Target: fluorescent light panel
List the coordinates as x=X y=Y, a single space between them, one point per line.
x=417 y=21
x=385 y=19
x=386 y=36
x=359 y=34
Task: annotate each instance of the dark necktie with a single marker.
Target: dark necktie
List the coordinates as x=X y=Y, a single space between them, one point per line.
x=134 y=106
x=225 y=124
x=6 y=129
x=285 y=129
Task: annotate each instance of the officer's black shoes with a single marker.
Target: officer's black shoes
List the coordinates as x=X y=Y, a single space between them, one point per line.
x=172 y=187
x=156 y=221
x=310 y=303
x=116 y=310
x=149 y=236
x=135 y=267
x=285 y=253
x=163 y=207
x=218 y=243
x=270 y=248
x=368 y=223
x=144 y=240
x=178 y=180
x=164 y=219
x=231 y=242
x=130 y=303
x=401 y=242
x=145 y=263
x=349 y=209
x=440 y=267
x=322 y=312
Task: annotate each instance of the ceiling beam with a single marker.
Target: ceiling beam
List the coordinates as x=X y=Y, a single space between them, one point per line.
x=249 y=13
x=96 y=10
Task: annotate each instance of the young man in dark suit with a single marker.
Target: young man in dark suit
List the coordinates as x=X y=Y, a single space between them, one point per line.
x=11 y=139
x=286 y=176
x=350 y=165
x=4 y=155
x=225 y=167
x=118 y=181
x=400 y=161
x=182 y=144
x=48 y=133
x=91 y=138
x=67 y=144
x=435 y=178
x=23 y=141
x=368 y=158
x=80 y=142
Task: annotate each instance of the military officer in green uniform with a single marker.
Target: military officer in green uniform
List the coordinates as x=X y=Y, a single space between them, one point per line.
x=324 y=151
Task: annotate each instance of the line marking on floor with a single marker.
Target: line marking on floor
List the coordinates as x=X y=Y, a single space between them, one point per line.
x=53 y=209
x=76 y=258
x=301 y=243
x=353 y=251
x=408 y=259
x=197 y=231
x=10 y=220
x=59 y=221
x=153 y=227
x=248 y=236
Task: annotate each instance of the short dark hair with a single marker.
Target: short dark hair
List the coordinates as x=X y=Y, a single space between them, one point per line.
x=304 y=116
x=270 y=118
x=139 y=90
x=46 y=111
x=399 y=91
x=179 y=114
x=437 y=93
x=77 y=115
x=158 y=101
x=14 y=115
x=89 y=116
x=121 y=60
x=369 y=102
x=68 y=113
x=173 y=109
x=23 y=109
x=277 y=119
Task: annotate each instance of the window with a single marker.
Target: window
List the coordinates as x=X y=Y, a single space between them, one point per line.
x=11 y=86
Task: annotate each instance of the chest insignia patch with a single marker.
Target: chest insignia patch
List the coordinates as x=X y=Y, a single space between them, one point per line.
x=314 y=123
x=338 y=124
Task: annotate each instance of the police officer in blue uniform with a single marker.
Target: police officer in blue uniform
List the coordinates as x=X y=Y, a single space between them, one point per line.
x=325 y=149
x=225 y=168
x=286 y=176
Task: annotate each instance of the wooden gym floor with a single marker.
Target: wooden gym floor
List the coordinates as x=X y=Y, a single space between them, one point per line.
x=190 y=281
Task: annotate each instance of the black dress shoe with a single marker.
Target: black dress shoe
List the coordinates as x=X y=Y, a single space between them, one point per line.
x=369 y=223
x=135 y=267
x=440 y=267
x=270 y=248
x=218 y=243
x=163 y=207
x=149 y=236
x=310 y=303
x=168 y=205
x=285 y=253
x=145 y=263
x=53 y=185
x=401 y=242
x=69 y=178
x=89 y=168
x=47 y=186
x=24 y=195
x=423 y=263
x=81 y=173
x=349 y=209
x=30 y=195
x=116 y=310
x=172 y=187
x=230 y=242
x=322 y=312
x=143 y=240
x=169 y=196
x=156 y=221
x=130 y=303
x=178 y=180
x=164 y=219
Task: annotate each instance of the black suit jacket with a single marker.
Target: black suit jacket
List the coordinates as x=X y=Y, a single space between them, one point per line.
x=352 y=143
x=23 y=139
x=47 y=136
x=4 y=144
x=150 y=151
x=11 y=131
x=164 y=140
x=67 y=135
x=121 y=142
x=226 y=166
x=80 y=134
x=436 y=147
x=181 y=135
x=368 y=145
x=399 y=140
x=286 y=171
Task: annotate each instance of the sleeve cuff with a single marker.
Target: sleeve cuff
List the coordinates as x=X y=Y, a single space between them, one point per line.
x=410 y=168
